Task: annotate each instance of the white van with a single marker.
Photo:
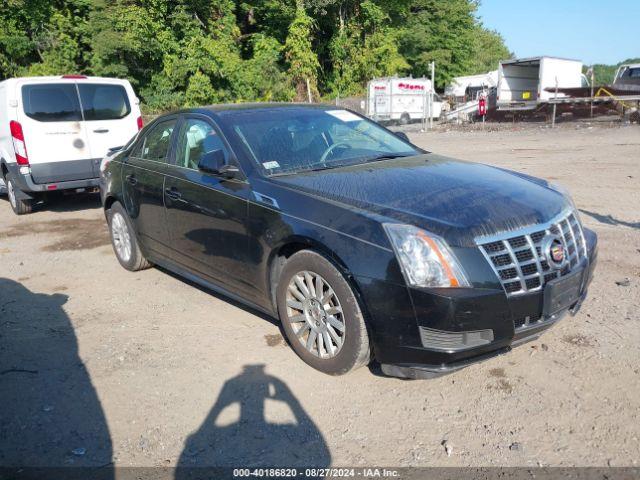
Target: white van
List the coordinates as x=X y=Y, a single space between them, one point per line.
x=54 y=131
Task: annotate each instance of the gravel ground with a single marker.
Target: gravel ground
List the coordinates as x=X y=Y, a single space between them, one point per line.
x=99 y=365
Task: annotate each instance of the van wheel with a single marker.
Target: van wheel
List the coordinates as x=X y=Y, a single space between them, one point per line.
x=19 y=206
x=320 y=315
x=405 y=119
x=123 y=239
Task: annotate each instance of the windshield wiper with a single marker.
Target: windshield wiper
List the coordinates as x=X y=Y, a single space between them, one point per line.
x=325 y=167
x=387 y=156
x=305 y=170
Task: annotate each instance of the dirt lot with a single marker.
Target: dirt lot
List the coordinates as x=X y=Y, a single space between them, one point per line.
x=143 y=369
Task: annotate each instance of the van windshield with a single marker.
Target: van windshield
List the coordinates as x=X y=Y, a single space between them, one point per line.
x=59 y=102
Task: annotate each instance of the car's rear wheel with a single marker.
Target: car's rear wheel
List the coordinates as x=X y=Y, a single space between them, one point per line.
x=123 y=239
x=19 y=206
x=320 y=315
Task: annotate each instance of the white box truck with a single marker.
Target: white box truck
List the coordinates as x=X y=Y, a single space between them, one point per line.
x=522 y=82
x=401 y=99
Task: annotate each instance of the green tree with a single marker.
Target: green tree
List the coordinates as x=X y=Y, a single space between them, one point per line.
x=443 y=32
x=488 y=49
x=186 y=52
x=302 y=60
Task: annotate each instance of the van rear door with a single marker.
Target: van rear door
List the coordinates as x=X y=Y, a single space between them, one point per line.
x=110 y=114
x=55 y=135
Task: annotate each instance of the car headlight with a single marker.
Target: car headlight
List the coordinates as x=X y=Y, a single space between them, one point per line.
x=425 y=259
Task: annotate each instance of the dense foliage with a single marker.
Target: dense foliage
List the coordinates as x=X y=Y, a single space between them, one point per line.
x=189 y=52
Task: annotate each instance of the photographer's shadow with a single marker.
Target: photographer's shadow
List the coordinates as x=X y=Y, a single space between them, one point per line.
x=50 y=412
x=236 y=432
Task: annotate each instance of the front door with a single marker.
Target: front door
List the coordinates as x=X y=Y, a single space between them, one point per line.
x=143 y=178
x=207 y=214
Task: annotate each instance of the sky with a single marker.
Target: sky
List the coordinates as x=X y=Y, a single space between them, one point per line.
x=594 y=31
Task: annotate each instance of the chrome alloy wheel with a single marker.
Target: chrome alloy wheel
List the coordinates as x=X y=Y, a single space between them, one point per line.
x=11 y=193
x=121 y=237
x=315 y=314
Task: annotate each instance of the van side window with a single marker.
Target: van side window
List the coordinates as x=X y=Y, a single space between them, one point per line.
x=196 y=139
x=155 y=145
x=103 y=101
x=51 y=102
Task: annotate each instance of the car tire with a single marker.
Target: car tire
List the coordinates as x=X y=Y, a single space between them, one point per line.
x=405 y=119
x=329 y=309
x=124 y=241
x=19 y=206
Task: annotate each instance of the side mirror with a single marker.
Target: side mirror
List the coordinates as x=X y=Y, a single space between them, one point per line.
x=403 y=136
x=229 y=171
x=214 y=162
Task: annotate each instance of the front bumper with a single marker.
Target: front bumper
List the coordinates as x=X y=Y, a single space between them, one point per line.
x=456 y=328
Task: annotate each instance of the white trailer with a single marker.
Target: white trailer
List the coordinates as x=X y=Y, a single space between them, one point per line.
x=401 y=99
x=523 y=82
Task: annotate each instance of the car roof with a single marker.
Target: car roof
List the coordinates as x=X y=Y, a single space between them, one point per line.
x=239 y=107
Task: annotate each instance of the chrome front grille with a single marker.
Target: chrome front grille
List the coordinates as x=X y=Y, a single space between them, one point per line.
x=517 y=259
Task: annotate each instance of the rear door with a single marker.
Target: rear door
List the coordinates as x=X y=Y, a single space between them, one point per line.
x=55 y=135
x=110 y=113
x=143 y=179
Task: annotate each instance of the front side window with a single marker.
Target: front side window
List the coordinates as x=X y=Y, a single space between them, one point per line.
x=155 y=145
x=289 y=140
x=51 y=102
x=104 y=102
x=197 y=138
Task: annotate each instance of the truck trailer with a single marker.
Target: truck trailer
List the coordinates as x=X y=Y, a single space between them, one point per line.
x=402 y=99
x=525 y=83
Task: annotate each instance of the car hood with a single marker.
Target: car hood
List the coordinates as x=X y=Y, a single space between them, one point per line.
x=455 y=199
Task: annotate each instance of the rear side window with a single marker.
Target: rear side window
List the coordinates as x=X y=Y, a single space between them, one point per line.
x=51 y=102
x=104 y=102
x=155 y=145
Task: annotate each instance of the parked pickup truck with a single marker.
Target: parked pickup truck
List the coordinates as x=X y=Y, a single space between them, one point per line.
x=628 y=77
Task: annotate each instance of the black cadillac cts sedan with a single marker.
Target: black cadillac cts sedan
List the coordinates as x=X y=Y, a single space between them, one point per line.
x=363 y=245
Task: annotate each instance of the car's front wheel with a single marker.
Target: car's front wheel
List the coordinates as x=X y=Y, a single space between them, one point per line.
x=320 y=315
x=123 y=239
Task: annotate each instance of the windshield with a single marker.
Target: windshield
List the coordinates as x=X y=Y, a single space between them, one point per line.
x=289 y=140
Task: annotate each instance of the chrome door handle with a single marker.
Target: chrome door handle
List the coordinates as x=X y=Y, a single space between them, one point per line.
x=101 y=130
